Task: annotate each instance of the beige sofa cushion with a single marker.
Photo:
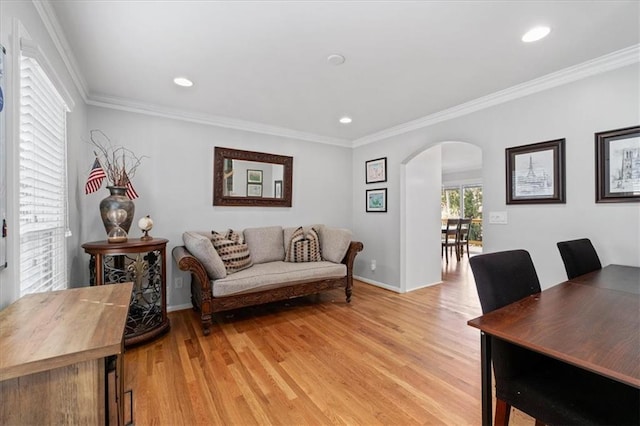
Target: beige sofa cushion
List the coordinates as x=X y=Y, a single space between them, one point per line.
x=201 y=247
x=266 y=244
x=334 y=243
x=269 y=275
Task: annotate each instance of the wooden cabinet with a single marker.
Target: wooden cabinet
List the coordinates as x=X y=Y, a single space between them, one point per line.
x=58 y=349
x=143 y=263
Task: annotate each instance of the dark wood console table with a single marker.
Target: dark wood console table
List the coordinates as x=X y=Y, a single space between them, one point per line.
x=143 y=263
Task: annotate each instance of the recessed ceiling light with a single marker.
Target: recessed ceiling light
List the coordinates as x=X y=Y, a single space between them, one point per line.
x=345 y=120
x=182 y=81
x=335 y=59
x=536 y=34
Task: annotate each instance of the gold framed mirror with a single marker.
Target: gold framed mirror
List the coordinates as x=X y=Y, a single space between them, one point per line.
x=251 y=179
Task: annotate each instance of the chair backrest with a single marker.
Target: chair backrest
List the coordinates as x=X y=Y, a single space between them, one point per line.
x=504 y=277
x=501 y=279
x=452 y=227
x=463 y=229
x=579 y=257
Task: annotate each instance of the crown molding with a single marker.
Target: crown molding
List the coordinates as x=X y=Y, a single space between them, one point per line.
x=50 y=21
x=211 y=120
x=609 y=62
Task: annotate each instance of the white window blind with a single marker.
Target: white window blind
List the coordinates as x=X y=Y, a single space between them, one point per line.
x=43 y=182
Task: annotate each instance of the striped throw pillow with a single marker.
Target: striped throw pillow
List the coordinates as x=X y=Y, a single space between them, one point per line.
x=233 y=251
x=304 y=247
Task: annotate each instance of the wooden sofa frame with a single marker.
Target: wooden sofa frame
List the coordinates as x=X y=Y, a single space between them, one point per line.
x=204 y=302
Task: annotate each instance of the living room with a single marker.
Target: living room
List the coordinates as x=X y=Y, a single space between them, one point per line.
x=571 y=100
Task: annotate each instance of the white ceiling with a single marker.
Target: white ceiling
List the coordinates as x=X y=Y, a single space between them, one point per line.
x=265 y=63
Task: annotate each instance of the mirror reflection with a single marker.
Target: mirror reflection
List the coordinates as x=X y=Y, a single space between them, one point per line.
x=252 y=179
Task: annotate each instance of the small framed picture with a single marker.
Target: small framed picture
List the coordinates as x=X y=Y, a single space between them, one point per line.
x=535 y=173
x=277 y=189
x=254 y=190
x=377 y=200
x=376 y=170
x=618 y=165
x=254 y=176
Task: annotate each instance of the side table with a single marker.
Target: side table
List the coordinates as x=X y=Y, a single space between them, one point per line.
x=144 y=264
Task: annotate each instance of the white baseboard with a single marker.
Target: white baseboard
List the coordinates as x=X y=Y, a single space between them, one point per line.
x=377 y=284
x=179 y=307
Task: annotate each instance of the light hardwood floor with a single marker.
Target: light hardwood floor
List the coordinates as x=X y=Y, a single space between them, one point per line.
x=385 y=358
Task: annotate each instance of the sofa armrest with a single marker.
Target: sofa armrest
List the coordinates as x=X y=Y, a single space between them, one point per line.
x=188 y=262
x=349 y=257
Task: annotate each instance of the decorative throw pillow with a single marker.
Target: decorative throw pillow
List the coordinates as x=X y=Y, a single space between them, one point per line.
x=201 y=247
x=304 y=247
x=233 y=251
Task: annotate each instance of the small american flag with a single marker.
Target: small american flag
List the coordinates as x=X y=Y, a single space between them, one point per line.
x=96 y=176
x=131 y=193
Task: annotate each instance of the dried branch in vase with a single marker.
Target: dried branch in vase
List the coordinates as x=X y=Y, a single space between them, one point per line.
x=119 y=163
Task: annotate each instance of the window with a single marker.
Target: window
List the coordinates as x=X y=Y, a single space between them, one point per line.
x=43 y=182
x=464 y=201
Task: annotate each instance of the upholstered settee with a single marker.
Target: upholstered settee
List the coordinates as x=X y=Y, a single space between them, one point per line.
x=232 y=270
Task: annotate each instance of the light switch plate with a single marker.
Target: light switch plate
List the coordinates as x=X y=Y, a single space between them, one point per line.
x=498 y=218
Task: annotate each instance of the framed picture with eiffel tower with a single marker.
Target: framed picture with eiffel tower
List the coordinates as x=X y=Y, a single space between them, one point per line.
x=535 y=173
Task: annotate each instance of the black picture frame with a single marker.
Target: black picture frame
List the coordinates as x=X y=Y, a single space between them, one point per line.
x=618 y=165
x=535 y=173
x=376 y=200
x=375 y=171
x=254 y=190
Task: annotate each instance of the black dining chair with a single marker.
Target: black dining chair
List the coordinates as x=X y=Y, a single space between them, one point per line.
x=579 y=257
x=548 y=390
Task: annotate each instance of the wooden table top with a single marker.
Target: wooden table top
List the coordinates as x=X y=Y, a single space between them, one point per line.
x=613 y=277
x=590 y=322
x=42 y=331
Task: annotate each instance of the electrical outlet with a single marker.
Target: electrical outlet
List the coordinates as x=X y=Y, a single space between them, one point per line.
x=178 y=282
x=373 y=265
x=498 y=218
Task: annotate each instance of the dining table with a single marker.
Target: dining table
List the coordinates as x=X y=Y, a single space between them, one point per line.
x=591 y=321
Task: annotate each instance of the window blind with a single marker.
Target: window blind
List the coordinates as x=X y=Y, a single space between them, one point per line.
x=43 y=182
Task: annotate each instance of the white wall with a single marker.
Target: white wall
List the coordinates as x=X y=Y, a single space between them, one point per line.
x=574 y=111
x=422 y=185
x=175 y=183
x=24 y=12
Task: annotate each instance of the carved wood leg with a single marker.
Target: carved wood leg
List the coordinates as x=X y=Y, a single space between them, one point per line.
x=347 y=292
x=206 y=324
x=503 y=411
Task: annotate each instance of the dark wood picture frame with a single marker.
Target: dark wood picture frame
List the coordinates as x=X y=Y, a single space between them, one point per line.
x=375 y=171
x=376 y=200
x=220 y=199
x=618 y=167
x=535 y=173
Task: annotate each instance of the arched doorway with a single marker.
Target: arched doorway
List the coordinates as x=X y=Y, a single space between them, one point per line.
x=421 y=189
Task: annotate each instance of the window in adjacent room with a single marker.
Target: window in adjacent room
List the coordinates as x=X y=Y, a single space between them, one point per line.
x=43 y=182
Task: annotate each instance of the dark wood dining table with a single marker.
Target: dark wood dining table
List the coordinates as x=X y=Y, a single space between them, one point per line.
x=591 y=321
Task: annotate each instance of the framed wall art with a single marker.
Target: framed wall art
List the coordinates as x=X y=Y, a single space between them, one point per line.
x=254 y=176
x=254 y=190
x=377 y=200
x=536 y=173
x=618 y=165
x=277 y=188
x=376 y=170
